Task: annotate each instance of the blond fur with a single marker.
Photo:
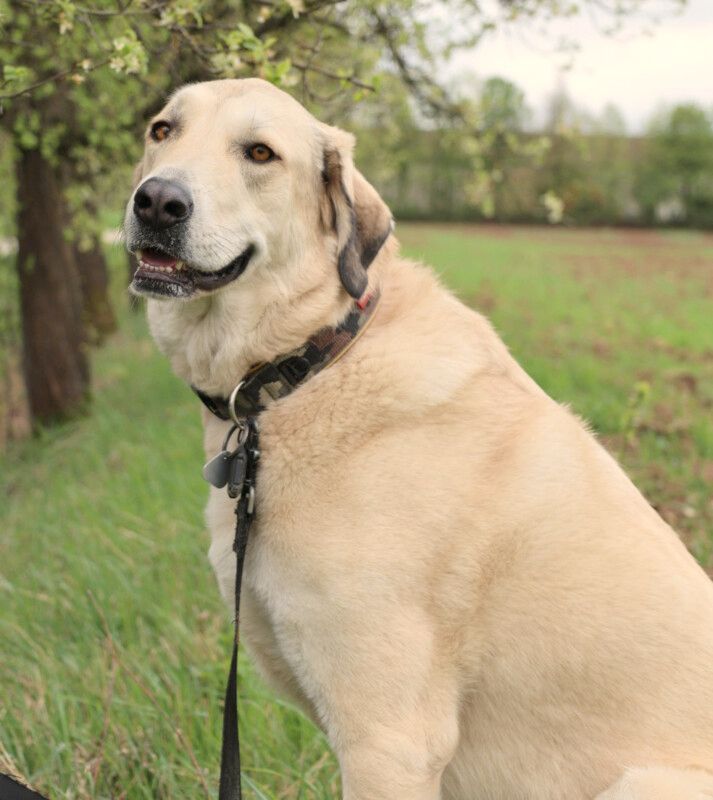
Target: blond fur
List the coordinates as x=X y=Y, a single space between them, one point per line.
x=447 y=572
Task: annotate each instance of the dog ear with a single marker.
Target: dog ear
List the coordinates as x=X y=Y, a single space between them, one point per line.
x=354 y=211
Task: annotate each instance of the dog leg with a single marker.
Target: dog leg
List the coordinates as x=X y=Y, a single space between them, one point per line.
x=661 y=783
x=398 y=754
x=387 y=701
x=389 y=765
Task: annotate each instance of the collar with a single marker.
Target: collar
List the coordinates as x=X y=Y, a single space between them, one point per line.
x=270 y=381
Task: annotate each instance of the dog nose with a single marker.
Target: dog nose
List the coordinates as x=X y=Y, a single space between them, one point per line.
x=162 y=203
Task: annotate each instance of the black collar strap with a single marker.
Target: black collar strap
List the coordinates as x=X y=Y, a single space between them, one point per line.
x=278 y=378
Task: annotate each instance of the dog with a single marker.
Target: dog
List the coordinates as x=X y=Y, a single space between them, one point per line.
x=446 y=572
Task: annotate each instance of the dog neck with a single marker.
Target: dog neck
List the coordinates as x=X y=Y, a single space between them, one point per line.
x=273 y=380
x=213 y=341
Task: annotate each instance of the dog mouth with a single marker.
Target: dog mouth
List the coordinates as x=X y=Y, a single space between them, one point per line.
x=161 y=274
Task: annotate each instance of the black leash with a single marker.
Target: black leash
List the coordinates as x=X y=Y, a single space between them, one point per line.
x=236 y=469
x=239 y=468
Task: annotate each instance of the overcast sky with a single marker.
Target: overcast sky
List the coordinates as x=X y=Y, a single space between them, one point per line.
x=636 y=70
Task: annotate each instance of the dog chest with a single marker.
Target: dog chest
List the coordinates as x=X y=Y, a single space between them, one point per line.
x=277 y=598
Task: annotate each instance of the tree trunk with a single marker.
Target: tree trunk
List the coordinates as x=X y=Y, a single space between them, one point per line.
x=54 y=349
x=99 y=316
x=15 y=421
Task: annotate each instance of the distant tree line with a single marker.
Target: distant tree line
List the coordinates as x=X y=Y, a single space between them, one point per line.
x=577 y=169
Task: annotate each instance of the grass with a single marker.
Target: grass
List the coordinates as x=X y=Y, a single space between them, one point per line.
x=114 y=642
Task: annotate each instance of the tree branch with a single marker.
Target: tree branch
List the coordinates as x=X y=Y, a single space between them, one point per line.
x=51 y=79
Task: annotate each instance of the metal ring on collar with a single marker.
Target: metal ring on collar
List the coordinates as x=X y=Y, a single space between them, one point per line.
x=231 y=406
x=241 y=438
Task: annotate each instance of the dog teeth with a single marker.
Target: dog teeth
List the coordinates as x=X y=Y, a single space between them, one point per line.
x=156 y=268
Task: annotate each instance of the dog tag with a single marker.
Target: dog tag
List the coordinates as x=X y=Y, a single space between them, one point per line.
x=236 y=472
x=217 y=470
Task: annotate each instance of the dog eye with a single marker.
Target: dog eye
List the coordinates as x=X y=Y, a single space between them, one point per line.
x=160 y=130
x=260 y=152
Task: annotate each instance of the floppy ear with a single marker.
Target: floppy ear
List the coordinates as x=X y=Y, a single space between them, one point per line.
x=354 y=211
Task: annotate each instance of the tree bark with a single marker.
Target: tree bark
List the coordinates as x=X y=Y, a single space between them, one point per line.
x=54 y=348
x=15 y=421
x=99 y=319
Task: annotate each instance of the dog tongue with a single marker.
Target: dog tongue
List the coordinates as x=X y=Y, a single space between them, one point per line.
x=154 y=258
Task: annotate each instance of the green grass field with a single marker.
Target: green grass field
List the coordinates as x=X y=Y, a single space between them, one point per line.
x=114 y=644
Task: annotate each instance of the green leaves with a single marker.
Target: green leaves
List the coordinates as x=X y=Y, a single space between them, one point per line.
x=129 y=56
x=242 y=52
x=297 y=7
x=675 y=179
x=186 y=13
x=277 y=73
x=26 y=130
x=16 y=76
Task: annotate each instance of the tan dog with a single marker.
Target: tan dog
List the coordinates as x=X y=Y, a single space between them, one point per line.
x=447 y=572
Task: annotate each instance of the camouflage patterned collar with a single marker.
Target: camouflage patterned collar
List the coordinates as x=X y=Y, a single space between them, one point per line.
x=278 y=378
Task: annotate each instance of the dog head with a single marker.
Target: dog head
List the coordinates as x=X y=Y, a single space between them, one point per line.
x=240 y=186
